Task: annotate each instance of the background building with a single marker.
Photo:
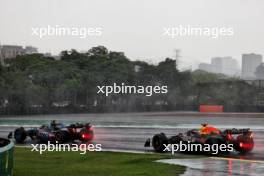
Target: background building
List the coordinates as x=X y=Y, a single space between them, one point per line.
x=249 y=64
x=222 y=65
x=30 y=50
x=12 y=51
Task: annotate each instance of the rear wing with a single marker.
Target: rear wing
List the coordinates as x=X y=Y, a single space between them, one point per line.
x=237 y=131
x=79 y=125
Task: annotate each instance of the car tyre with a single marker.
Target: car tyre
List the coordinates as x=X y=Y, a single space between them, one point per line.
x=20 y=135
x=158 y=142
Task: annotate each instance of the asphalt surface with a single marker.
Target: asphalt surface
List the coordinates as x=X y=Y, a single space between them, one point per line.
x=129 y=132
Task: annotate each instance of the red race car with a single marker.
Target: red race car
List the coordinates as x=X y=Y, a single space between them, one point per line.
x=241 y=139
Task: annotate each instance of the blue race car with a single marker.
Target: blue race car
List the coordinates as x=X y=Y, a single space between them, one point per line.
x=55 y=132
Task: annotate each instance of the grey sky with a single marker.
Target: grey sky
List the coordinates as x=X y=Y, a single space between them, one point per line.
x=136 y=26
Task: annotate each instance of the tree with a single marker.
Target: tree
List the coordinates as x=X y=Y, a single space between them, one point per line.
x=98 y=51
x=30 y=81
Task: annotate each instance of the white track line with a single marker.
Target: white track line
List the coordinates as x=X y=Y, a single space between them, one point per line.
x=236 y=159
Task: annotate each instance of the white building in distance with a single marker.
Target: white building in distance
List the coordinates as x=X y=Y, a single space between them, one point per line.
x=12 y=51
x=249 y=64
x=222 y=65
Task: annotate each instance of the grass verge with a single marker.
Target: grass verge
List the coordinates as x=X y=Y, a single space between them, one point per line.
x=29 y=163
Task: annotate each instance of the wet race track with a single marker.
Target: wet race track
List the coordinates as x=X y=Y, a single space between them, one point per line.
x=129 y=132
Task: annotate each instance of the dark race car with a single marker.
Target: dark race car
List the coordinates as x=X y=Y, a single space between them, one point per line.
x=242 y=139
x=55 y=132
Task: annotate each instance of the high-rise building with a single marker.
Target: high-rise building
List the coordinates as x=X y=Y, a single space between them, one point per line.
x=216 y=64
x=225 y=65
x=249 y=64
x=222 y=65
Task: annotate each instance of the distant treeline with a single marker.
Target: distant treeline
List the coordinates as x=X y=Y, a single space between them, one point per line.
x=37 y=84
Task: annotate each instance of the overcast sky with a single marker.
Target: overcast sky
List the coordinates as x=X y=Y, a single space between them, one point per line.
x=136 y=27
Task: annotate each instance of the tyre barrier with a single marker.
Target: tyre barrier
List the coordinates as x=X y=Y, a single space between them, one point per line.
x=6 y=157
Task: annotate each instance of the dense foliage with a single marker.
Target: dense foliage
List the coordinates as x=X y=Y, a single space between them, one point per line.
x=38 y=84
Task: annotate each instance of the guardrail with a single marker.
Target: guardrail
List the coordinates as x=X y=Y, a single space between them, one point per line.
x=6 y=157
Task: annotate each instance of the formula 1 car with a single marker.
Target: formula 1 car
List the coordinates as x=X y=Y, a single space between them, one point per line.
x=55 y=132
x=241 y=139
